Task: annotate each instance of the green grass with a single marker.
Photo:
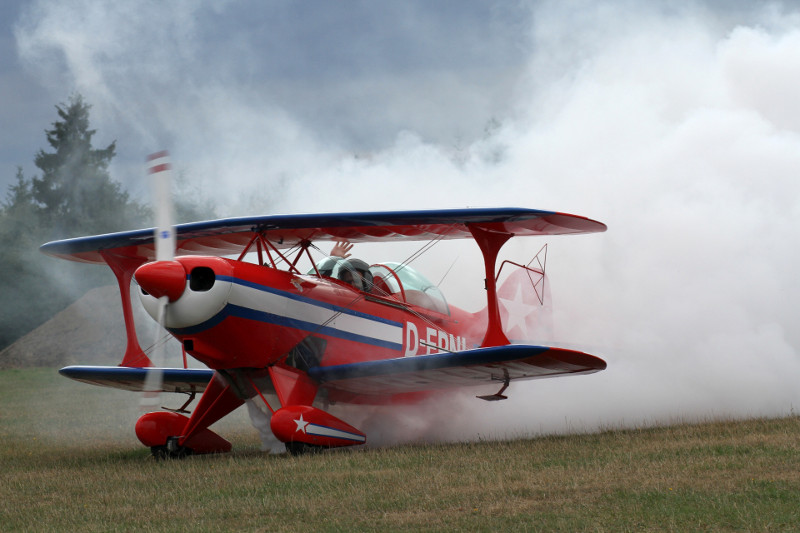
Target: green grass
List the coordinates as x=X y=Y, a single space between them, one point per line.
x=69 y=461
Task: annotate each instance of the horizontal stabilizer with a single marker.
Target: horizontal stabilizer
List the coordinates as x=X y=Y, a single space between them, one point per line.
x=480 y=366
x=184 y=380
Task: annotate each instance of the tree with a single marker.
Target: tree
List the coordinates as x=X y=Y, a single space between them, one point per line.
x=73 y=196
x=75 y=193
x=19 y=213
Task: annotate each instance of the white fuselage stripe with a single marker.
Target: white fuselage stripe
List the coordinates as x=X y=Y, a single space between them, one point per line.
x=317 y=315
x=324 y=431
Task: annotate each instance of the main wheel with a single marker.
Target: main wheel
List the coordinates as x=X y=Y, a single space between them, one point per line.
x=170 y=450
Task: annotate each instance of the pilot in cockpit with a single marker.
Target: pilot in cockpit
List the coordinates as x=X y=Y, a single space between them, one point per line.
x=352 y=271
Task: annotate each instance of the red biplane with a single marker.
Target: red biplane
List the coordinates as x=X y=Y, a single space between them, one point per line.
x=297 y=340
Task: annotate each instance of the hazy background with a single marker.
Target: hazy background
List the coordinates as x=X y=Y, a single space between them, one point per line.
x=676 y=124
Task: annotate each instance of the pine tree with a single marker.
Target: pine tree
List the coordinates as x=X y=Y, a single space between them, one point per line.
x=74 y=196
x=75 y=193
x=19 y=212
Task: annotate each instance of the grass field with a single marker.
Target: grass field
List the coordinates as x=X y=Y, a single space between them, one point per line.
x=69 y=462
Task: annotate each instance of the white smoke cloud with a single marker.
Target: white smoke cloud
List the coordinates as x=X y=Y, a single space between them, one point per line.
x=678 y=128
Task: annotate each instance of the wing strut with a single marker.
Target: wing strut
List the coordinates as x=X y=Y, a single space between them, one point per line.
x=490 y=242
x=123 y=268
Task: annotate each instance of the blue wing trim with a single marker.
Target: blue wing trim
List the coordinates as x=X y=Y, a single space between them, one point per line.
x=227 y=236
x=127 y=378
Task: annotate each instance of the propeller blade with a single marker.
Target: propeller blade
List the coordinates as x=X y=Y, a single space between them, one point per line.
x=160 y=170
x=151 y=398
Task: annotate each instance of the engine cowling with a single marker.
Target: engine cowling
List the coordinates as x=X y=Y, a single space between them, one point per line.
x=197 y=288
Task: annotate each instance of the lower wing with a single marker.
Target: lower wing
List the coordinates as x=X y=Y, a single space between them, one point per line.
x=481 y=366
x=127 y=378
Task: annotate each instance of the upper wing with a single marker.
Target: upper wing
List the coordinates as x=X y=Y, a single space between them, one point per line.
x=128 y=378
x=480 y=366
x=230 y=235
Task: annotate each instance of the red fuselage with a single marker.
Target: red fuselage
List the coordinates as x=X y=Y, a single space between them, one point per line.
x=233 y=314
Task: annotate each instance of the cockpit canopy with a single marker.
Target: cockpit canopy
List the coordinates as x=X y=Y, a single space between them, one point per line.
x=386 y=279
x=409 y=285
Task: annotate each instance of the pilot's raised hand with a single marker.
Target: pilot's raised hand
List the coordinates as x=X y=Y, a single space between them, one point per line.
x=342 y=249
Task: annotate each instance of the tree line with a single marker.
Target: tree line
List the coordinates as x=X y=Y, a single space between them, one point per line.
x=72 y=195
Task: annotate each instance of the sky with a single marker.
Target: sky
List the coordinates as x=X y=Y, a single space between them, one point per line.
x=676 y=124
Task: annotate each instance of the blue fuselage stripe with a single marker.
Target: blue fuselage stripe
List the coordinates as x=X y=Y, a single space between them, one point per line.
x=232 y=310
x=311 y=301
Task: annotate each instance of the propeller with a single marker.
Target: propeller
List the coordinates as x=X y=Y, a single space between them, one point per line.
x=159 y=169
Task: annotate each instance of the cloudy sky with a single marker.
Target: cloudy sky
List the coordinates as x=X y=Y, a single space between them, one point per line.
x=677 y=124
x=284 y=79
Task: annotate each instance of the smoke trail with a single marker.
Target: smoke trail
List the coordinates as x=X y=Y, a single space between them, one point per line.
x=677 y=127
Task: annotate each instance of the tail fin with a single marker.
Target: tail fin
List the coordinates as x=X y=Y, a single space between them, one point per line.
x=524 y=298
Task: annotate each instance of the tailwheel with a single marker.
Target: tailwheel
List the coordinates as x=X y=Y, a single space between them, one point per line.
x=301 y=448
x=170 y=450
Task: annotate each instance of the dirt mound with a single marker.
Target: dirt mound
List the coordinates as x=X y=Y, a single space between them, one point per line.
x=91 y=331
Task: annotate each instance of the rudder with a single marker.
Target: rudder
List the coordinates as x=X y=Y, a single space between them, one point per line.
x=524 y=298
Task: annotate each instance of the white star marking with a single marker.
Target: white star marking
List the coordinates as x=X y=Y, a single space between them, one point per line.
x=301 y=424
x=517 y=311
